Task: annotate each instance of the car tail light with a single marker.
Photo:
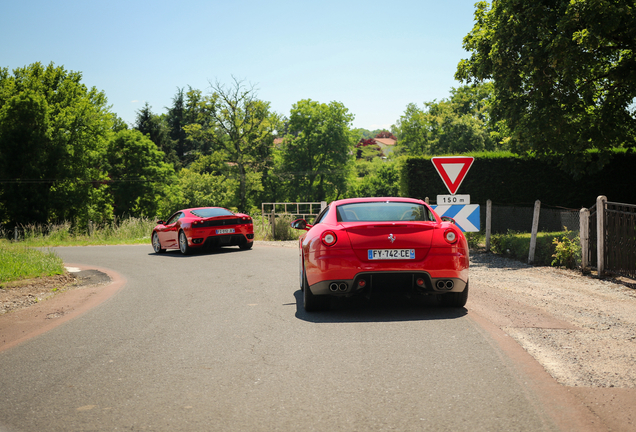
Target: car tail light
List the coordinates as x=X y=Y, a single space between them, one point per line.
x=450 y=236
x=329 y=238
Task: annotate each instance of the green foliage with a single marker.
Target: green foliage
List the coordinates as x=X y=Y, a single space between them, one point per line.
x=117 y=231
x=563 y=74
x=376 y=178
x=517 y=246
x=235 y=123
x=155 y=127
x=514 y=180
x=475 y=239
x=20 y=262
x=53 y=133
x=567 y=250
x=459 y=124
x=138 y=174
x=315 y=158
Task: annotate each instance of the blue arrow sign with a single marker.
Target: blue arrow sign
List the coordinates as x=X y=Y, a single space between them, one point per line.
x=466 y=216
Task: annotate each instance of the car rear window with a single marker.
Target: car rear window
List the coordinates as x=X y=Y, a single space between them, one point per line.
x=211 y=212
x=383 y=211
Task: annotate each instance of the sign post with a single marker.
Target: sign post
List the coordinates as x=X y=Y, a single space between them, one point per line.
x=452 y=170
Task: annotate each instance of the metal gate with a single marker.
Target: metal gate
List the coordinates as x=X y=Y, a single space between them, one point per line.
x=620 y=239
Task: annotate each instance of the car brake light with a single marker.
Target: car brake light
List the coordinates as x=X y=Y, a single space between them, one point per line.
x=450 y=236
x=329 y=238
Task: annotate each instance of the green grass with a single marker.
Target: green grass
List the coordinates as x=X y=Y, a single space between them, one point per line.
x=517 y=246
x=18 y=261
x=125 y=231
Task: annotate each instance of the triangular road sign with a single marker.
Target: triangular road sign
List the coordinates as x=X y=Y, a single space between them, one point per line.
x=452 y=170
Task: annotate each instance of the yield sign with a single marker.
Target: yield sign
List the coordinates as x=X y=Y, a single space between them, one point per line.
x=452 y=170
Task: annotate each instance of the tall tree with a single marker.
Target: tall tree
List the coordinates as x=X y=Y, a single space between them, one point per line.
x=564 y=73
x=53 y=134
x=138 y=174
x=461 y=123
x=242 y=128
x=156 y=128
x=318 y=151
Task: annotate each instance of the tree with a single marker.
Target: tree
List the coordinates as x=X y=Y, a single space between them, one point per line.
x=242 y=128
x=459 y=124
x=53 y=133
x=564 y=73
x=156 y=128
x=138 y=174
x=318 y=150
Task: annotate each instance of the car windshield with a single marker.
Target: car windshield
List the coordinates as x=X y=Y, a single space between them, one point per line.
x=384 y=211
x=211 y=212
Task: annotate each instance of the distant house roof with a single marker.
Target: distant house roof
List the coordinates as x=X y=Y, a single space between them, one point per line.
x=385 y=141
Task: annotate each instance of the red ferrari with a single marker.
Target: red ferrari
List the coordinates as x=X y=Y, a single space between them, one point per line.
x=381 y=245
x=203 y=227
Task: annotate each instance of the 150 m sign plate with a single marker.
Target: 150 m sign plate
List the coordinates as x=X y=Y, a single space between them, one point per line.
x=453 y=199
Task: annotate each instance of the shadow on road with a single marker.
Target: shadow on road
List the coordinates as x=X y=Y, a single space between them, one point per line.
x=176 y=253
x=379 y=309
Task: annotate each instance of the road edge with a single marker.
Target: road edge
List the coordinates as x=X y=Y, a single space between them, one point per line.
x=21 y=325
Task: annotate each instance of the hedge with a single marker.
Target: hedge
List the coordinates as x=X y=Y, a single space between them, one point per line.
x=507 y=179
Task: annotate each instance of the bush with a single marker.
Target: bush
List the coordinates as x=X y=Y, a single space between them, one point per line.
x=474 y=239
x=517 y=246
x=567 y=250
x=284 y=231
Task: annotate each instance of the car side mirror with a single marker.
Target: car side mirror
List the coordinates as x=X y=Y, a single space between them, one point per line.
x=300 y=224
x=160 y=222
x=448 y=219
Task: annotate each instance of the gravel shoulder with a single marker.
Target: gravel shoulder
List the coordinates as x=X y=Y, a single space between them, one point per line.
x=581 y=329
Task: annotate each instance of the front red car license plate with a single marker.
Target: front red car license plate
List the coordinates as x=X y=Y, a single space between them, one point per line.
x=384 y=254
x=225 y=231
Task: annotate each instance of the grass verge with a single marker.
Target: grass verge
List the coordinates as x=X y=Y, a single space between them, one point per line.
x=18 y=261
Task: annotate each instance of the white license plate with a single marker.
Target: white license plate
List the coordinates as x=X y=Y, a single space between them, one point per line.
x=225 y=231
x=383 y=254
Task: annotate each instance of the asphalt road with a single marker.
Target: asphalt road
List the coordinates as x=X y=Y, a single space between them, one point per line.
x=219 y=341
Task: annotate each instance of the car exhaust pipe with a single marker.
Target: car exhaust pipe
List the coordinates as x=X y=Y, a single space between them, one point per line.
x=333 y=287
x=445 y=285
x=343 y=286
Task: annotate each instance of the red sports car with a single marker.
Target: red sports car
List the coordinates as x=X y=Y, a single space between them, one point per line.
x=381 y=245
x=203 y=227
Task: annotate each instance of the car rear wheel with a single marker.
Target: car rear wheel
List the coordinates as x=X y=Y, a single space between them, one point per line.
x=183 y=243
x=246 y=246
x=156 y=244
x=455 y=300
x=311 y=302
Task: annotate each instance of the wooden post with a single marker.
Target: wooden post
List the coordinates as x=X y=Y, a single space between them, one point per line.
x=274 y=222
x=535 y=229
x=488 y=224
x=601 y=202
x=15 y=234
x=584 y=236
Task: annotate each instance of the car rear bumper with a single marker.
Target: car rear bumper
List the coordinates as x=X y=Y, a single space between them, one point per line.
x=389 y=283
x=208 y=238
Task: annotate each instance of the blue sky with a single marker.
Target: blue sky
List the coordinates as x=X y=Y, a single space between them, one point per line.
x=373 y=56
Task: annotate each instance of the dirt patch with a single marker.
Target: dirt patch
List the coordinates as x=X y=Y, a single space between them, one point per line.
x=21 y=294
x=24 y=293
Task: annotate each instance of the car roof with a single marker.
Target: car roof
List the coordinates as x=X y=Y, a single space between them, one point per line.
x=376 y=199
